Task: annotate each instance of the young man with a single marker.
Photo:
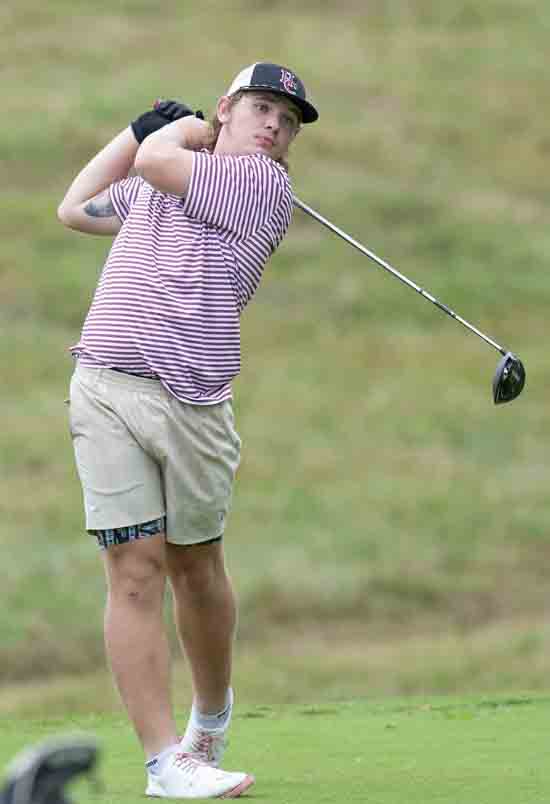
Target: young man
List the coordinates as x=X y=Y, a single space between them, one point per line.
x=151 y=417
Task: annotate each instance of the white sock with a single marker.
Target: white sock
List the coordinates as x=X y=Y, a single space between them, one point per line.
x=156 y=763
x=215 y=720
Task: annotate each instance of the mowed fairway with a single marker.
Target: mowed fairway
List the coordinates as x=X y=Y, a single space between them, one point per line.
x=439 y=751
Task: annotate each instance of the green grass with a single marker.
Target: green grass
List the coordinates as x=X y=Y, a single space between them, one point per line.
x=431 y=751
x=382 y=500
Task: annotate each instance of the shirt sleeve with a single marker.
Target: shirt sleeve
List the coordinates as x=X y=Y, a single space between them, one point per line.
x=123 y=195
x=240 y=194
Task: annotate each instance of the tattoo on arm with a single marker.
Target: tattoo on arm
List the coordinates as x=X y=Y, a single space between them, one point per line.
x=100 y=206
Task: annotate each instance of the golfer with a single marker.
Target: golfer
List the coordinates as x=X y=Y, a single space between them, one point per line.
x=150 y=403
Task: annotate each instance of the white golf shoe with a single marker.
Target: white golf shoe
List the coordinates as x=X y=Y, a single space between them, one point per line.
x=185 y=777
x=207 y=745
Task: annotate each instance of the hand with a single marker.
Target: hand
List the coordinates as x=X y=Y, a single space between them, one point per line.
x=163 y=112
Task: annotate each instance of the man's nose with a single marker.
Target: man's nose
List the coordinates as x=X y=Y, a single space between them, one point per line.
x=273 y=122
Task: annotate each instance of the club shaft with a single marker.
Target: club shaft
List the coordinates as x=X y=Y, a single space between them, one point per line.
x=402 y=278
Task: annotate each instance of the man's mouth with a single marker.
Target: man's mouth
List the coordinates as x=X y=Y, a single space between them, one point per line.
x=265 y=142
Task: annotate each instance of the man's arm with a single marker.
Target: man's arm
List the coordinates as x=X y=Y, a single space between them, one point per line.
x=165 y=158
x=87 y=205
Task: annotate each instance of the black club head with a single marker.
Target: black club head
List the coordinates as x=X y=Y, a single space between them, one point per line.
x=509 y=379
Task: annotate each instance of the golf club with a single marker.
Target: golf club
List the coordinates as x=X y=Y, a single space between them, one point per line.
x=509 y=377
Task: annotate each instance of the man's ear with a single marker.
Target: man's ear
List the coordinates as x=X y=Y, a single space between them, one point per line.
x=223 y=109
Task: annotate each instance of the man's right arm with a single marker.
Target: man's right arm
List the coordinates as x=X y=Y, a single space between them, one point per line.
x=87 y=206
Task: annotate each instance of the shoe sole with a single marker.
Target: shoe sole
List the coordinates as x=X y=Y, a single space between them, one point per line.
x=236 y=791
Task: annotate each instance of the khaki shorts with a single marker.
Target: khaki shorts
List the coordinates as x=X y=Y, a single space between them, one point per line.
x=141 y=455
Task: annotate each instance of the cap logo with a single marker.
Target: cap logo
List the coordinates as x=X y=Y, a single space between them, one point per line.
x=288 y=81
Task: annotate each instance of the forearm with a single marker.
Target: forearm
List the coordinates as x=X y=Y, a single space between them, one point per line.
x=165 y=158
x=111 y=164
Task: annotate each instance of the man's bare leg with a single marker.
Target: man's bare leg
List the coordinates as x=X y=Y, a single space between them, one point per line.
x=135 y=638
x=206 y=614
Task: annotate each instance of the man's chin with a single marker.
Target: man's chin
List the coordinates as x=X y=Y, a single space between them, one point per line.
x=265 y=150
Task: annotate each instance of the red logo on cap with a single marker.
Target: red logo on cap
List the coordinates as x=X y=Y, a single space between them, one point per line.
x=288 y=81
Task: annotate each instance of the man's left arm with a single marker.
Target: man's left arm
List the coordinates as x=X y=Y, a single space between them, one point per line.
x=165 y=158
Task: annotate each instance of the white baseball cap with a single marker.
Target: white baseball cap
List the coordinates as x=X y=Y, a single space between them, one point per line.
x=277 y=79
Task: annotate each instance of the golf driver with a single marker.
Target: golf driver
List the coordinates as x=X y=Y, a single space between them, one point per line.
x=509 y=376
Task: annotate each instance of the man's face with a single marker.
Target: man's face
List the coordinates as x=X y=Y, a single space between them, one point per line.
x=260 y=122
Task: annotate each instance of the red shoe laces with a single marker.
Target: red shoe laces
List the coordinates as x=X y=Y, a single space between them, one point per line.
x=186 y=762
x=203 y=744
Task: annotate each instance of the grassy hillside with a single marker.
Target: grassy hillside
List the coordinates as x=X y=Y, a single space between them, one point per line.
x=382 y=499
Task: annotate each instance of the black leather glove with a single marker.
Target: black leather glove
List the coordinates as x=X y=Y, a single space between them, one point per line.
x=163 y=112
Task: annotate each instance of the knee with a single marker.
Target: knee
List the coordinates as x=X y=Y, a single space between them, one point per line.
x=196 y=569
x=137 y=581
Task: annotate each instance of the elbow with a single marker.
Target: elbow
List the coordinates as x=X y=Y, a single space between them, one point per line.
x=144 y=162
x=149 y=165
x=64 y=214
x=165 y=168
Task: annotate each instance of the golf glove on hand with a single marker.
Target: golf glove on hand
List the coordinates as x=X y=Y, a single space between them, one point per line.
x=163 y=112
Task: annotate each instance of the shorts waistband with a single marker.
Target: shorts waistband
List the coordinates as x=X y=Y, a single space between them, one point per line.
x=91 y=375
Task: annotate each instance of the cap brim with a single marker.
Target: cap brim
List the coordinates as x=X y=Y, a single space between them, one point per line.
x=309 y=112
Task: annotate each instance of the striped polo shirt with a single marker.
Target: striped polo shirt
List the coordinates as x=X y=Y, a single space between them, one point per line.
x=180 y=272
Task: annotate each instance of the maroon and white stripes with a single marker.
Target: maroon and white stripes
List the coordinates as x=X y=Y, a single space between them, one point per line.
x=180 y=272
